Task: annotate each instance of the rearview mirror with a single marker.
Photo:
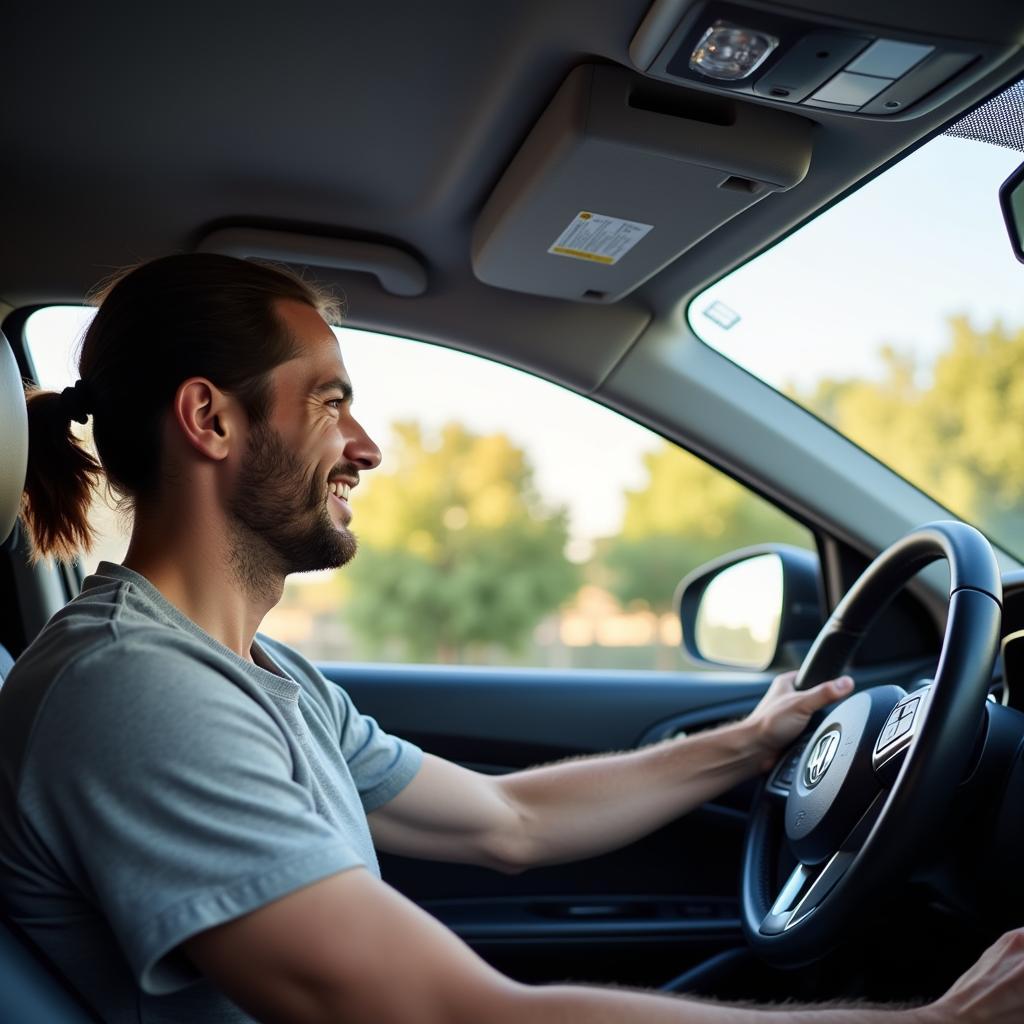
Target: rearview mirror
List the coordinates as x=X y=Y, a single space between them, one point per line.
x=758 y=608
x=1011 y=201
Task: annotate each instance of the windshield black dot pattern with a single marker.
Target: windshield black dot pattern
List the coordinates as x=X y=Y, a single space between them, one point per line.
x=999 y=121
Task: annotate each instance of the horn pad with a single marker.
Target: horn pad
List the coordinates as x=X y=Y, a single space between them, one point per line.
x=835 y=782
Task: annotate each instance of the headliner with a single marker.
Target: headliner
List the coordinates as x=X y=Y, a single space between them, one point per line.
x=134 y=133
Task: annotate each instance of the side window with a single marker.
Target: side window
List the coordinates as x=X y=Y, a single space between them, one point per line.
x=511 y=522
x=52 y=338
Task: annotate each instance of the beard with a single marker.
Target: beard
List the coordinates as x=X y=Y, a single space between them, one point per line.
x=279 y=510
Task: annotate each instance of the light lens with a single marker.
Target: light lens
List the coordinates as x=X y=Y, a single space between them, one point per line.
x=730 y=52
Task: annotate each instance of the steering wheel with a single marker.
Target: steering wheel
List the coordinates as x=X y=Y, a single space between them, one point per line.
x=857 y=795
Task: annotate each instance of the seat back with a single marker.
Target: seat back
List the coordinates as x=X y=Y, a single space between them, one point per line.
x=29 y=989
x=13 y=456
x=14 y=431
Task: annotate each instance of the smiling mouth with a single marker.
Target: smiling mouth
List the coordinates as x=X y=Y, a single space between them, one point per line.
x=340 y=489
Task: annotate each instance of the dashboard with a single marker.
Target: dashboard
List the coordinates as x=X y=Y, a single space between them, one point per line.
x=1008 y=674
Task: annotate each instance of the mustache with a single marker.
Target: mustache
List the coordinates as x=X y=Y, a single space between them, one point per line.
x=345 y=469
x=316 y=488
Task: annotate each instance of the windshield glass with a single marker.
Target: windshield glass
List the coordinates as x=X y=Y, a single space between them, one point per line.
x=897 y=316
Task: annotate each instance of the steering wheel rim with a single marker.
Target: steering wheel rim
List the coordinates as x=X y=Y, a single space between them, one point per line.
x=803 y=919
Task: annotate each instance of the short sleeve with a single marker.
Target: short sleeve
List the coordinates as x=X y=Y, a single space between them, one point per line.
x=168 y=797
x=382 y=764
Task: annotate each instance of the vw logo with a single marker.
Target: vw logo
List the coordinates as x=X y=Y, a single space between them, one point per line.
x=822 y=755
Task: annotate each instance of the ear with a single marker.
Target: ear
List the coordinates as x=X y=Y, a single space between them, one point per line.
x=210 y=420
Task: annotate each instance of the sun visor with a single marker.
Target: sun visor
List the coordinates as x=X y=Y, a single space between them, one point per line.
x=620 y=176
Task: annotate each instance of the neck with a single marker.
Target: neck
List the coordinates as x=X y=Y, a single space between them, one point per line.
x=207 y=573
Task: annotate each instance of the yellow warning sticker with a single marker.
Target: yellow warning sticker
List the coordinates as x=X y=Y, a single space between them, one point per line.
x=561 y=250
x=598 y=238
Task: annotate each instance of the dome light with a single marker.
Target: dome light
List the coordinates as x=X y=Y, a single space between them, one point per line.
x=730 y=52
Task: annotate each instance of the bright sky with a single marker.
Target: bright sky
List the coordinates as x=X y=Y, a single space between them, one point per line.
x=889 y=264
x=746 y=595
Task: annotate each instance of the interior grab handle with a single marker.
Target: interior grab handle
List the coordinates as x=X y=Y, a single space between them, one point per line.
x=398 y=272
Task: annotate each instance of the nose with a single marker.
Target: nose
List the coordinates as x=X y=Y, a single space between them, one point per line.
x=360 y=448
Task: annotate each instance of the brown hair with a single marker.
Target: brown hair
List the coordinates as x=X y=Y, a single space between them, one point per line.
x=191 y=315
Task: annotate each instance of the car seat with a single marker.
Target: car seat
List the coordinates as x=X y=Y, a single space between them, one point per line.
x=30 y=989
x=13 y=457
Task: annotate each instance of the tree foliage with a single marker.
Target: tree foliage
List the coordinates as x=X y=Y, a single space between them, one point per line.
x=686 y=514
x=952 y=428
x=456 y=547
x=458 y=550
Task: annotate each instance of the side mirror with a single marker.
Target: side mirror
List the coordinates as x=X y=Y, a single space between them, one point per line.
x=1011 y=201
x=757 y=608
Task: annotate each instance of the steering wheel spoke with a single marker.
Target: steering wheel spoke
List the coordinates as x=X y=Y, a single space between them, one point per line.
x=809 y=884
x=805 y=888
x=783 y=775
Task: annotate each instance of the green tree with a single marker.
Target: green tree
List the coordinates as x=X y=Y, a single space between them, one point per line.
x=685 y=515
x=457 y=550
x=952 y=428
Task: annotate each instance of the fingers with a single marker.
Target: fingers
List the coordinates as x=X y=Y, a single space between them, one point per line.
x=784 y=682
x=991 y=990
x=825 y=693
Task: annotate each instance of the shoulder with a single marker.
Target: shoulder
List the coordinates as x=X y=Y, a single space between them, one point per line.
x=90 y=655
x=102 y=629
x=140 y=715
x=136 y=692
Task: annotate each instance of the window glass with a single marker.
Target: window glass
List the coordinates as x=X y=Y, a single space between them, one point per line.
x=511 y=522
x=897 y=316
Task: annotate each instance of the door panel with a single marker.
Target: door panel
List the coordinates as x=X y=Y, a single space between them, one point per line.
x=507 y=717
x=638 y=915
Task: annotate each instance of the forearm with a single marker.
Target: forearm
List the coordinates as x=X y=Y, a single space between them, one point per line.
x=562 y=1003
x=582 y=808
x=349 y=948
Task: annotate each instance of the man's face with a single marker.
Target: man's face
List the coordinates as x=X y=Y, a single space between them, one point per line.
x=290 y=499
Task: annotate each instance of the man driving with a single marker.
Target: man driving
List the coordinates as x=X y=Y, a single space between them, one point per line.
x=189 y=811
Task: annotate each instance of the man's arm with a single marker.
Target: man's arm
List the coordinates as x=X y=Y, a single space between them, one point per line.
x=351 y=950
x=581 y=808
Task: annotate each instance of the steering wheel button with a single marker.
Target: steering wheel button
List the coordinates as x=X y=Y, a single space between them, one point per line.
x=888 y=734
x=904 y=724
x=910 y=708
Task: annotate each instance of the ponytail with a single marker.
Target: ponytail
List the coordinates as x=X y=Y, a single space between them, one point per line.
x=59 y=482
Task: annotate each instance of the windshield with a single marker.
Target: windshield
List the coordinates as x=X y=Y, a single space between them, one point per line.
x=897 y=316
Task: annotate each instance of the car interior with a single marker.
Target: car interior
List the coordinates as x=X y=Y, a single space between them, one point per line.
x=549 y=186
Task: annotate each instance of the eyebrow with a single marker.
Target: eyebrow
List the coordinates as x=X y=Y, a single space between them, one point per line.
x=336 y=384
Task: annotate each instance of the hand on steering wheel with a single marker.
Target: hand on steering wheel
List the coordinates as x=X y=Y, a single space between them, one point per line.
x=784 y=711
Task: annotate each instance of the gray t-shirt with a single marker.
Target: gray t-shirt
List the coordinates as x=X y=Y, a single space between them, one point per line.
x=154 y=784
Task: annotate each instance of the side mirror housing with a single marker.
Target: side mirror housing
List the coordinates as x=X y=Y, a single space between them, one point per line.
x=1011 y=201
x=758 y=608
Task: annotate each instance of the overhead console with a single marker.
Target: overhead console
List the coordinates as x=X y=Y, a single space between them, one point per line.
x=802 y=59
x=621 y=175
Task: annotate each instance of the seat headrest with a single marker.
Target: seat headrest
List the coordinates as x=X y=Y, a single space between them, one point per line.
x=14 y=432
x=6 y=663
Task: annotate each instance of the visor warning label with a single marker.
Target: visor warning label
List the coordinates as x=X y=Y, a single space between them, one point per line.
x=597 y=238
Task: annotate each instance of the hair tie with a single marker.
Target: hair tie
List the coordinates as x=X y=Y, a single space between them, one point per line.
x=75 y=401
